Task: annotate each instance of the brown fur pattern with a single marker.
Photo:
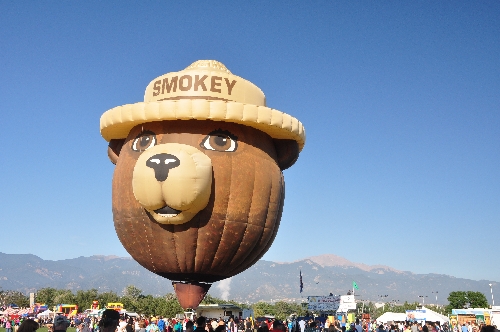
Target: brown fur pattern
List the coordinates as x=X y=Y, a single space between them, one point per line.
x=232 y=232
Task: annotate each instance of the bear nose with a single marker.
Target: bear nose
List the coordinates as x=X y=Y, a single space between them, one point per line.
x=161 y=163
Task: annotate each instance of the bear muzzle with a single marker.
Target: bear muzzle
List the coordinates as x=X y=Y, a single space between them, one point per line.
x=173 y=182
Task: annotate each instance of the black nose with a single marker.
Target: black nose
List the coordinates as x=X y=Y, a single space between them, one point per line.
x=161 y=163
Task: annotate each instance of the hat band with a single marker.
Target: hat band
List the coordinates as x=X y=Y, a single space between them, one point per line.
x=117 y=122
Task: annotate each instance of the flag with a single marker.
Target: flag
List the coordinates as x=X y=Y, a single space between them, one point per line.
x=354 y=285
x=301 y=284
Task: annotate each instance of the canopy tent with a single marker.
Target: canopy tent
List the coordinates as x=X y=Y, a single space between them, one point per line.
x=45 y=314
x=10 y=311
x=132 y=314
x=23 y=312
x=438 y=317
x=427 y=315
x=391 y=317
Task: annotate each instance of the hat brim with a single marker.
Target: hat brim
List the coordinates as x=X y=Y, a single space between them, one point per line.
x=117 y=122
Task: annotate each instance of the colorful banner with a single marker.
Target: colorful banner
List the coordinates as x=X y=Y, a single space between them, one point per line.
x=415 y=315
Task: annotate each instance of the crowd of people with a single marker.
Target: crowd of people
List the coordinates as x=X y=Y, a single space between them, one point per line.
x=414 y=326
x=112 y=321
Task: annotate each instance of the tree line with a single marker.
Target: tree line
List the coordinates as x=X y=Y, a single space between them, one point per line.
x=133 y=300
x=168 y=305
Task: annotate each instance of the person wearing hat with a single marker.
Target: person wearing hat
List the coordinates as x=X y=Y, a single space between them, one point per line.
x=61 y=323
x=109 y=320
x=152 y=327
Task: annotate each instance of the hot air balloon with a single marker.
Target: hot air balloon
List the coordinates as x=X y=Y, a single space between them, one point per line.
x=198 y=189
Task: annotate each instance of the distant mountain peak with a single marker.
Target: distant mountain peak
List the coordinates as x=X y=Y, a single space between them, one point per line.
x=334 y=260
x=265 y=281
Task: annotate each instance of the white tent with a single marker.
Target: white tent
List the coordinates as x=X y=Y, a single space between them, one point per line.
x=432 y=316
x=425 y=314
x=46 y=313
x=391 y=317
x=131 y=314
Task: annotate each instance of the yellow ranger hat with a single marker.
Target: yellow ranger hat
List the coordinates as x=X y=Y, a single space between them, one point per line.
x=206 y=90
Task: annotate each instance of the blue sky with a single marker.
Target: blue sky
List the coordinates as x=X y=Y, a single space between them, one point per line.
x=400 y=101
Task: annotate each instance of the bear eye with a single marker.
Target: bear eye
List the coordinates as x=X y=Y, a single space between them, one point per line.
x=221 y=141
x=144 y=141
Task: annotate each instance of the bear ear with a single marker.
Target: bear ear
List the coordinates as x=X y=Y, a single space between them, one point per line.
x=114 y=148
x=287 y=151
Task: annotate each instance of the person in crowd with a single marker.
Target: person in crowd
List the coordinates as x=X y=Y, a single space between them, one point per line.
x=84 y=327
x=200 y=324
x=161 y=324
x=213 y=323
x=357 y=326
x=77 y=324
x=29 y=325
x=189 y=326
x=488 y=328
x=142 y=326
x=278 y=326
x=130 y=327
x=333 y=327
x=8 y=325
x=122 y=324
x=264 y=328
x=152 y=327
x=61 y=323
x=170 y=326
x=302 y=324
x=178 y=326
x=231 y=325
x=109 y=320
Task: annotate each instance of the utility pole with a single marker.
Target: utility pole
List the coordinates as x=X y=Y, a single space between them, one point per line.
x=383 y=306
x=436 y=292
x=492 y=300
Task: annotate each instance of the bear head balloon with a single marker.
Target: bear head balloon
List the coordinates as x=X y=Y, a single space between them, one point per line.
x=198 y=188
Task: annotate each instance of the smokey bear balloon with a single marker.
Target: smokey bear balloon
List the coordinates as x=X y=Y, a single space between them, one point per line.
x=198 y=188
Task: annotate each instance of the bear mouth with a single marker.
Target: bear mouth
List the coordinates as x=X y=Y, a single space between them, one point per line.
x=167 y=211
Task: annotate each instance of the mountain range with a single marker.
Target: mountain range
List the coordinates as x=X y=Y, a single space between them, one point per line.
x=265 y=281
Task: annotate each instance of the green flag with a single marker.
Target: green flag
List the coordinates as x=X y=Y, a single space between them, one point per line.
x=354 y=285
